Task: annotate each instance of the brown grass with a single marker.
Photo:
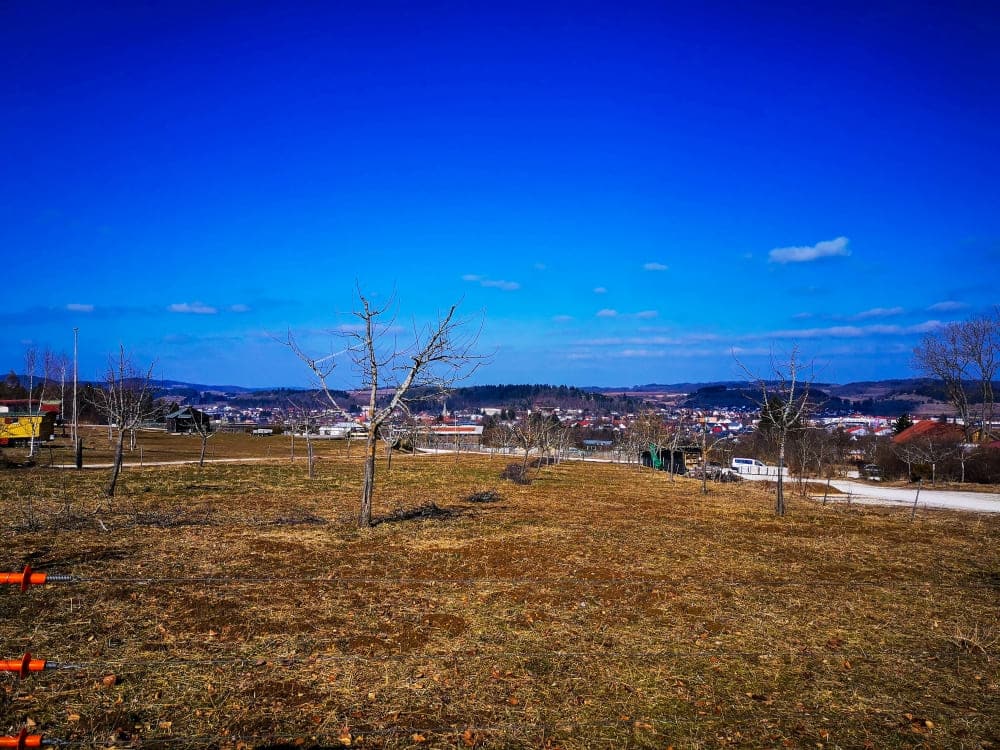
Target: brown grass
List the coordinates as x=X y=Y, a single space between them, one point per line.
x=599 y=606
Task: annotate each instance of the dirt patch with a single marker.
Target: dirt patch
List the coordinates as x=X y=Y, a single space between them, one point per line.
x=599 y=606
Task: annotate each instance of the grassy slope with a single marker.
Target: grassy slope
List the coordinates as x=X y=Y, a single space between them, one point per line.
x=600 y=606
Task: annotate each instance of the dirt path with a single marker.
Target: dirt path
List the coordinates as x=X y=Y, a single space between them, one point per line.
x=859 y=492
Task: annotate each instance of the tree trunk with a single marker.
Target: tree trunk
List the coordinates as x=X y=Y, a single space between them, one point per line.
x=310 y=457
x=204 y=446
x=117 y=466
x=779 y=507
x=365 y=517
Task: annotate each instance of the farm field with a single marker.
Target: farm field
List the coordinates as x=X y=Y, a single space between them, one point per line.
x=238 y=606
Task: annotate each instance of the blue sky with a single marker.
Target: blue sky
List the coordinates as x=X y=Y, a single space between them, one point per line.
x=623 y=192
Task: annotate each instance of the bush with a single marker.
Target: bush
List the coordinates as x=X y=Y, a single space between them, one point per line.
x=516 y=473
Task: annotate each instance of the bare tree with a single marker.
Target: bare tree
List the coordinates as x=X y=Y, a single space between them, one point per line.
x=783 y=403
x=980 y=339
x=503 y=436
x=438 y=355
x=933 y=451
x=648 y=432
x=59 y=364
x=965 y=356
x=202 y=425
x=943 y=355
x=531 y=433
x=390 y=436
x=30 y=365
x=126 y=401
x=677 y=432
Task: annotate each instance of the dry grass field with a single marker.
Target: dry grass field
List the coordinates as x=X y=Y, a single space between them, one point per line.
x=600 y=606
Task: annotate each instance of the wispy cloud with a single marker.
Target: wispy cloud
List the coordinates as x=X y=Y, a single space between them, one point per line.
x=239 y=308
x=79 y=307
x=600 y=290
x=825 y=249
x=507 y=286
x=540 y=267
x=646 y=314
x=607 y=313
x=802 y=315
x=947 y=306
x=648 y=341
x=562 y=318
x=195 y=308
x=642 y=353
x=879 y=312
x=653 y=266
x=848 y=332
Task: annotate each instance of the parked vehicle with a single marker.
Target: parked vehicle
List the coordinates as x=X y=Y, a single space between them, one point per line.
x=748 y=465
x=872 y=472
x=715 y=472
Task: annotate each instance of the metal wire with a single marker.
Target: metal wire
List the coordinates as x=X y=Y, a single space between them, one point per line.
x=122 y=665
x=469 y=580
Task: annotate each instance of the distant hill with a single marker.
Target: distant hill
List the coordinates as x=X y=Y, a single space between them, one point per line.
x=178 y=385
x=523 y=396
x=917 y=396
x=744 y=396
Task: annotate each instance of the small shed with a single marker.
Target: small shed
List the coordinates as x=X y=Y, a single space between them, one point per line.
x=661 y=460
x=188 y=419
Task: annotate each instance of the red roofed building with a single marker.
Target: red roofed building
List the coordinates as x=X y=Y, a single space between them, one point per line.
x=930 y=430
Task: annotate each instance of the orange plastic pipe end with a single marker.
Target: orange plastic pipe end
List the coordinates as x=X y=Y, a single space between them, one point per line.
x=24 y=579
x=21 y=741
x=22 y=666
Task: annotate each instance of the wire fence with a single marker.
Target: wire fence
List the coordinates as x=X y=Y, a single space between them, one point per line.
x=712 y=650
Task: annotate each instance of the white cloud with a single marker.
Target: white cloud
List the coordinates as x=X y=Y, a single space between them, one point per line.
x=643 y=353
x=927 y=327
x=647 y=341
x=646 y=314
x=79 y=307
x=196 y=308
x=607 y=313
x=600 y=290
x=880 y=312
x=654 y=267
x=825 y=249
x=849 y=332
x=507 y=286
x=947 y=306
x=239 y=308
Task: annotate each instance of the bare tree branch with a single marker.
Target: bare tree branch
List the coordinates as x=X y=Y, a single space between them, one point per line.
x=784 y=403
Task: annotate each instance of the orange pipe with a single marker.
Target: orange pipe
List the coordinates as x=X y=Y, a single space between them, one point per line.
x=24 y=579
x=22 y=666
x=21 y=740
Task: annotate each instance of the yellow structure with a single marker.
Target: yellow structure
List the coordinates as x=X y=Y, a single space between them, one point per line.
x=21 y=427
